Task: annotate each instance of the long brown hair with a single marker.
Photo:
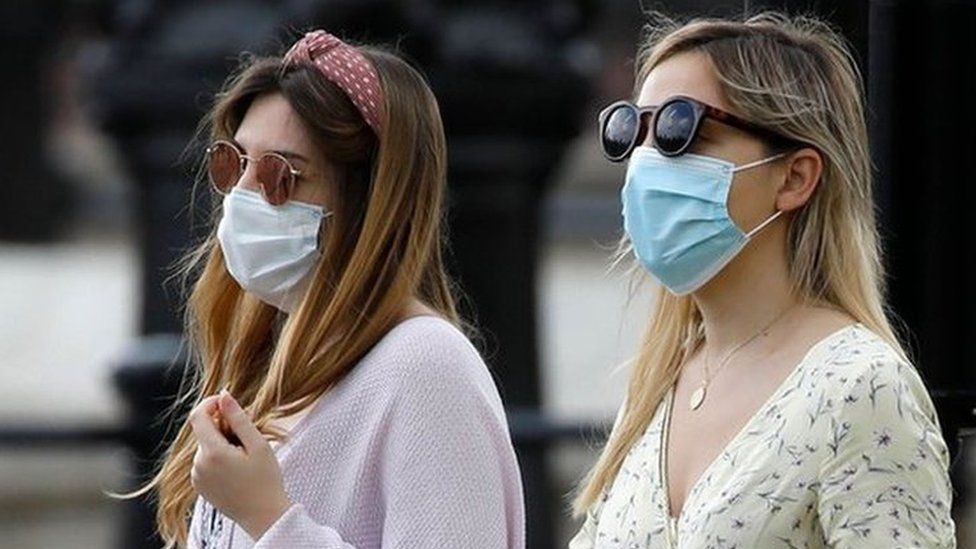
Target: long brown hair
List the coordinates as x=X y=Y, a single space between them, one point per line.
x=382 y=246
x=795 y=75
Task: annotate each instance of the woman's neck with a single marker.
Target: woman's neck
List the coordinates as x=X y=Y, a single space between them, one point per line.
x=748 y=294
x=415 y=307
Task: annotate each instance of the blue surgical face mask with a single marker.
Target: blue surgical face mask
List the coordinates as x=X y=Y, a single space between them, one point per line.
x=676 y=214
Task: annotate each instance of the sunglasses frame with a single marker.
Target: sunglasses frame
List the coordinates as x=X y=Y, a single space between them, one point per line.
x=700 y=109
x=243 y=159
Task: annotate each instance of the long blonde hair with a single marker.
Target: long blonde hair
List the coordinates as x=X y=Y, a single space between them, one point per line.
x=382 y=246
x=795 y=75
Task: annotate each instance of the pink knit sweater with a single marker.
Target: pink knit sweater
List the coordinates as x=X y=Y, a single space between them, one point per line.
x=410 y=450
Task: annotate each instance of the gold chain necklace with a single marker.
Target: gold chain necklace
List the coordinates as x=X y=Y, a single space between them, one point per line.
x=698 y=397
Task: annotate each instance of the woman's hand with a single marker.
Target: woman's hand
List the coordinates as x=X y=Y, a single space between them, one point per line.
x=244 y=482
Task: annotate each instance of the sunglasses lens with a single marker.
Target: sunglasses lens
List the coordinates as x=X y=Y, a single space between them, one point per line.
x=619 y=131
x=223 y=167
x=674 y=127
x=274 y=175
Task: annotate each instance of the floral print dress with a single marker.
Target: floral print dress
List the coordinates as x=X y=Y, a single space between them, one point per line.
x=846 y=452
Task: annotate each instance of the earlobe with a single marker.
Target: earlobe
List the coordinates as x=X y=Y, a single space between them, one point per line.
x=803 y=171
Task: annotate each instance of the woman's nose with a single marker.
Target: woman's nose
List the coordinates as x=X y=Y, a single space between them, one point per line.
x=248 y=179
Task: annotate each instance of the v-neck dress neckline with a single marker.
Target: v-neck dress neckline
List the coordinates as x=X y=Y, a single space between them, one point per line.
x=673 y=522
x=835 y=460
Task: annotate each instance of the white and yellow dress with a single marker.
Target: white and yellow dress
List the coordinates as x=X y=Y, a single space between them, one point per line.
x=846 y=452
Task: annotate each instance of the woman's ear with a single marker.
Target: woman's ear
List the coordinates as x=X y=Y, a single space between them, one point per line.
x=803 y=170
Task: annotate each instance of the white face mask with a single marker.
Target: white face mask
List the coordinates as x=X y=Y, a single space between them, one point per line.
x=270 y=250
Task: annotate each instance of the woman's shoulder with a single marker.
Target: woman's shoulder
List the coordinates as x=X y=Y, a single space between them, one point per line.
x=425 y=363
x=425 y=366
x=426 y=337
x=859 y=350
x=426 y=349
x=866 y=377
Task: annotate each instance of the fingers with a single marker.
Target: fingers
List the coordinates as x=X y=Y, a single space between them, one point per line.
x=226 y=430
x=202 y=421
x=239 y=422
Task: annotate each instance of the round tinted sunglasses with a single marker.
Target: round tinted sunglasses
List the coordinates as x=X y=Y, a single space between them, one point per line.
x=275 y=174
x=675 y=124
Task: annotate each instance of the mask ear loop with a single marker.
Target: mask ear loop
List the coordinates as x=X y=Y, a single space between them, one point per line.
x=763 y=225
x=318 y=233
x=778 y=213
x=759 y=162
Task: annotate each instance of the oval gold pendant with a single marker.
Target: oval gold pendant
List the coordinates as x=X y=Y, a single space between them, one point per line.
x=697 y=397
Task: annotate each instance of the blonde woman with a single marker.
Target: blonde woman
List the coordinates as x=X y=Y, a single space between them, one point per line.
x=321 y=304
x=770 y=403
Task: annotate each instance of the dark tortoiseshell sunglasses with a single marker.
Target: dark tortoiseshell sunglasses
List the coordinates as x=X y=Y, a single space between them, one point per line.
x=675 y=124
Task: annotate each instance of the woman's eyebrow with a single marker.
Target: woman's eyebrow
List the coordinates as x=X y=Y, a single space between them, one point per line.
x=286 y=154
x=291 y=155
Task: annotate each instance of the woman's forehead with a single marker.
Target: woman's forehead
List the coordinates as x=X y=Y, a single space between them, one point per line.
x=270 y=123
x=688 y=73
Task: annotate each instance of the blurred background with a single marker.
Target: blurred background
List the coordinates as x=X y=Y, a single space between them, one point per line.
x=101 y=97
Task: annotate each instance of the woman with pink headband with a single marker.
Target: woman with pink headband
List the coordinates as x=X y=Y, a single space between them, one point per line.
x=338 y=401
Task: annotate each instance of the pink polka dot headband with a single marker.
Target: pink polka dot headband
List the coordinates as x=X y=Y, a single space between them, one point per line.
x=346 y=67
